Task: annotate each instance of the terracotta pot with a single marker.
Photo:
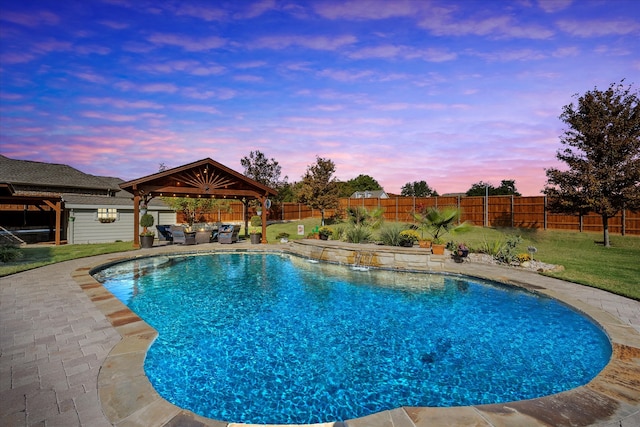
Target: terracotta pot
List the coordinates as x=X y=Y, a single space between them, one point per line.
x=438 y=249
x=425 y=244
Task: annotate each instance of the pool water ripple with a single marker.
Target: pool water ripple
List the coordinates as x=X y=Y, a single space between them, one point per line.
x=262 y=338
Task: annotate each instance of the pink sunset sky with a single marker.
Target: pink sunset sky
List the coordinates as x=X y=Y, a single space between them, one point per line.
x=450 y=92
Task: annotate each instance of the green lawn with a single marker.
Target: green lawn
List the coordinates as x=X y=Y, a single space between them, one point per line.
x=40 y=255
x=585 y=260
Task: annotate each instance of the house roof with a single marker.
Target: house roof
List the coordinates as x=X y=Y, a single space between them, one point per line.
x=50 y=177
x=370 y=194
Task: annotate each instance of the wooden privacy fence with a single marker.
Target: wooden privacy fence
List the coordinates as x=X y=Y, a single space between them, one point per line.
x=492 y=211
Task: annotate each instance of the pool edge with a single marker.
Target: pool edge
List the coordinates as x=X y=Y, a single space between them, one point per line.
x=128 y=398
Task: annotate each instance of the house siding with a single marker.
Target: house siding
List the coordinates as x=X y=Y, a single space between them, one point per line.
x=87 y=229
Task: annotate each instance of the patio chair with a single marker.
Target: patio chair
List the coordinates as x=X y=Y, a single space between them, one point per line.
x=164 y=233
x=182 y=237
x=228 y=233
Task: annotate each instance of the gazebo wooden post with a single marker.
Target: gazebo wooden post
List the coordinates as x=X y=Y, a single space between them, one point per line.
x=57 y=207
x=136 y=218
x=264 y=219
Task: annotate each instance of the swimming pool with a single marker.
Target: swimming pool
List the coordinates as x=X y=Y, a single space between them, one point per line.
x=271 y=339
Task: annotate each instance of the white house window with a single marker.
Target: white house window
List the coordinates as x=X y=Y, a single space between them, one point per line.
x=107 y=214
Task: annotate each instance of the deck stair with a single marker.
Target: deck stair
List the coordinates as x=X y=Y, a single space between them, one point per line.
x=8 y=238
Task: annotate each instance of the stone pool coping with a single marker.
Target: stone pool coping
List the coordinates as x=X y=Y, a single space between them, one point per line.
x=612 y=398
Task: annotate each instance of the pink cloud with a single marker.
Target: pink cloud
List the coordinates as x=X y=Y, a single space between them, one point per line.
x=121 y=103
x=197 y=108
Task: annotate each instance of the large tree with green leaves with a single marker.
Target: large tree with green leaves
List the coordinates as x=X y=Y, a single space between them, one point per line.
x=318 y=188
x=602 y=154
x=417 y=189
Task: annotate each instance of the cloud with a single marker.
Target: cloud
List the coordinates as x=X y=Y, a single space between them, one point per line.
x=551 y=6
x=16 y=57
x=368 y=9
x=310 y=42
x=197 y=108
x=599 y=28
x=31 y=19
x=89 y=77
x=121 y=103
x=221 y=93
x=201 y=11
x=114 y=25
x=346 y=75
x=190 y=44
x=192 y=67
x=147 y=88
x=403 y=52
x=256 y=9
x=248 y=78
x=442 y=23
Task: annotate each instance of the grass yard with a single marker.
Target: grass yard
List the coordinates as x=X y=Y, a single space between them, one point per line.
x=586 y=261
x=38 y=256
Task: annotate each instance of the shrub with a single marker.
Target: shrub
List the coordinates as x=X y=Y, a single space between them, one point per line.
x=282 y=235
x=357 y=234
x=390 y=233
x=325 y=231
x=408 y=237
x=256 y=221
x=10 y=253
x=523 y=257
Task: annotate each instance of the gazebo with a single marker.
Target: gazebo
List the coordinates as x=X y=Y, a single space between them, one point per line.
x=205 y=178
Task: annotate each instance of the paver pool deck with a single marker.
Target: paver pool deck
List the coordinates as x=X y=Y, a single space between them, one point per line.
x=72 y=355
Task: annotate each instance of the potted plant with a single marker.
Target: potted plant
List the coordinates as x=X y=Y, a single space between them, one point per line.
x=255 y=236
x=146 y=237
x=438 y=223
x=324 y=232
x=408 y=238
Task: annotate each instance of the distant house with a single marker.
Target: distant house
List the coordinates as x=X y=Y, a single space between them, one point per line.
x=370 y=194
x=55 y=202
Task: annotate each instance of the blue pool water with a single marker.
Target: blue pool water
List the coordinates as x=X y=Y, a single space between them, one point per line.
x=265 y=338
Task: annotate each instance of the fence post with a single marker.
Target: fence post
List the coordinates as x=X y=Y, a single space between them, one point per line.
x=545 y=212
x=512 y=215
x=624 y=221
x=397 y=209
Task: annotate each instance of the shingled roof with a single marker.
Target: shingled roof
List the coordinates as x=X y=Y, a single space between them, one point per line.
x=32 y=176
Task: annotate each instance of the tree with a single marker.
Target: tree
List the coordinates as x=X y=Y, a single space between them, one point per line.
x=481 y=188
x=318 y=188
x=417 y=189
x=263 y=170
x=602 y=152
x=267 y=172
